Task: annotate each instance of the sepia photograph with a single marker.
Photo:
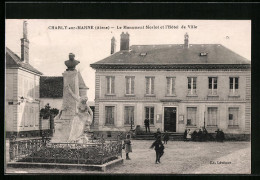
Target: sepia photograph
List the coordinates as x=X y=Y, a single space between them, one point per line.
x=121 y=96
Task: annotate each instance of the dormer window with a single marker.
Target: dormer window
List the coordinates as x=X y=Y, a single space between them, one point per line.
x=203 y=54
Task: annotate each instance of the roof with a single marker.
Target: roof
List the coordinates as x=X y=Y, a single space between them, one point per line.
x=173 y=55
x=14 y=61
x=52 y=86
x=82 y=84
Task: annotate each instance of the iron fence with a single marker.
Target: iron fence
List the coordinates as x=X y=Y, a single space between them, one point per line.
x=43 y=151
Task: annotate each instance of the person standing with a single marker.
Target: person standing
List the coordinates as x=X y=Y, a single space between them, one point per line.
x=166 y=137
x=158 y=133
x=188 y=135
x=147 y=125
x=128 y=146
x=159 y=149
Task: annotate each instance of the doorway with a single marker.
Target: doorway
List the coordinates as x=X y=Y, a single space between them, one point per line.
x=170 y=119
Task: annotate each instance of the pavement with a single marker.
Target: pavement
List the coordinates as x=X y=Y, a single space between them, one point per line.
x=179 y=158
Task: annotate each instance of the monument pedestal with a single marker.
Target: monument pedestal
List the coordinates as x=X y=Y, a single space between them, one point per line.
x=69 y=107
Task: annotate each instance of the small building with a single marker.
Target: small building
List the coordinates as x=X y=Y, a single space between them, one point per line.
x=175 y=86
x=22 y=102
x=51 y=91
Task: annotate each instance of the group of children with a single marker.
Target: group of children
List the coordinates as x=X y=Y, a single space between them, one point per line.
x=157 y=145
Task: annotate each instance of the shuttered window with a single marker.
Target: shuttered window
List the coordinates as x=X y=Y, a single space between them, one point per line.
x=110 y=84
x=213 y=85
x=129 y=115
x=191 y=116
x=233 y=116
x=149 y=85
x=170 y=85
x=192 y=85
x=130 y=84
x=233 y=84
x=212 y=116
x=110 y=115
x=149 y=114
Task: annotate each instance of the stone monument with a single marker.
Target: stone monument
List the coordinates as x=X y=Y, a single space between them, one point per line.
x=69 y=105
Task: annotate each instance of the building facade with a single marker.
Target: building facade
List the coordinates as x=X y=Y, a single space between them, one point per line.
x=175 y=86
x=22 y=102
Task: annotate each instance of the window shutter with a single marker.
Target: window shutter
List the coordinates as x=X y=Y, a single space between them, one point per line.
x=147 y=85
x=127 y=85
x=173 y=86
x=168 y=85
x=132 y=85
x=126 y=115
x=152 y=86
x=108 y=85
x=152 y=115
x=113 y=85
x=194 y=83
x=236 y=83
x=210 y=83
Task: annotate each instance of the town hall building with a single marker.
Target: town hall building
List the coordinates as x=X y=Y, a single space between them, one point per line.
x=175 y=86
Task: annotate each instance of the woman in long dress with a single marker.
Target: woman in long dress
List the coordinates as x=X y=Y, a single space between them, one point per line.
x=82 y=119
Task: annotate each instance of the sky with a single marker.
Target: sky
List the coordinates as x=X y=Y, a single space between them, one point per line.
x=50 y=47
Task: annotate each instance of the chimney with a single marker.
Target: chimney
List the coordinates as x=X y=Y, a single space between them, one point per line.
x=25 y=45
x=124 y=42
x=113 y=45
x=186 y=40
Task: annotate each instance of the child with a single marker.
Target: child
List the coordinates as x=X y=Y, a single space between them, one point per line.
x=159 y=149
x=128 y=146
x=165 y=137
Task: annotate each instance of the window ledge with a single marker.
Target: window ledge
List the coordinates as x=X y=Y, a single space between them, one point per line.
x=110 y=94
x=233 y=95
x=174 y=95
x=212 y=126
x=130 y=95
x=213 y=95
x=233 y=126
x=149 y=95
x=192 y=95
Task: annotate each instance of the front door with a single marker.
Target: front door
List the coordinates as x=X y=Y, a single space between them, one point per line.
x=170 y=119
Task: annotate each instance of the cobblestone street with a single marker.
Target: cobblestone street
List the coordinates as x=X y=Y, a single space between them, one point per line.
x=179 y=158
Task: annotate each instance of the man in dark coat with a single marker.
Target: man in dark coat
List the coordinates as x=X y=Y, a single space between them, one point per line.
x=159 y=149
x=147 y=125
x=166 y=137
x=185 y=135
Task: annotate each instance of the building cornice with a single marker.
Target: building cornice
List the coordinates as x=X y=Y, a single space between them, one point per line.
x=171 y=66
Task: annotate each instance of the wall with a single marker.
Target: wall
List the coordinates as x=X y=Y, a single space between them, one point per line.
x=11 y=96
x=202 y=101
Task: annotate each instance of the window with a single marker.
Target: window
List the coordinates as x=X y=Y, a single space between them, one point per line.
x=26 y=116
x=149 y=85
x=25 y=87
x=170 y=85
x=31 y=116
x=110 y=115
x=212 y=116
x=36 y=114
x=233 y=85
x=192 y=83
x=129 y=115
x=110 y=85
x=233 y=116
x=149 y=114
x=20 y=88
x=213 y=85
x=130 y=84
x=191 y=116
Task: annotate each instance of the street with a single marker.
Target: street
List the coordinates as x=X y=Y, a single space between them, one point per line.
x=179 y=158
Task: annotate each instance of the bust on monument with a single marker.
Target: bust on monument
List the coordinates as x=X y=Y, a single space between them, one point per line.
x=71 y=63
